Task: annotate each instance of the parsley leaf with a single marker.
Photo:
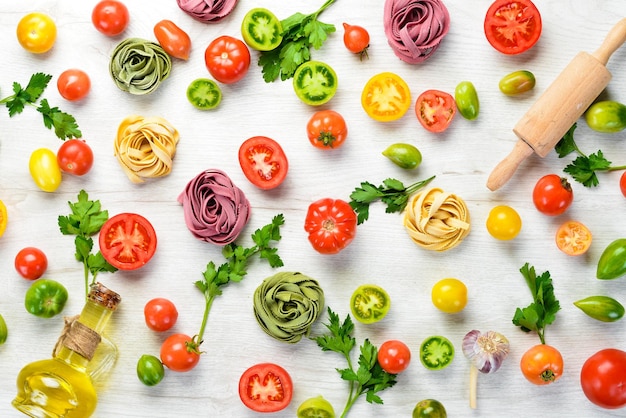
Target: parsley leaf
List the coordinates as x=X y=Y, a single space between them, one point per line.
x=392 y=192
x=542 y=312
x=64 y=124
x=369 y=378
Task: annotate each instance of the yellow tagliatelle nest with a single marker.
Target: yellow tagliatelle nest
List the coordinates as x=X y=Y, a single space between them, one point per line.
x=436 y=220
x=145 y=147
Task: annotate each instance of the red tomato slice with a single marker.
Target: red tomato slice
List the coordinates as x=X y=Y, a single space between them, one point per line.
x=263 y=161
x=127 y=241
x=512 y=26
x=266 y=387
x=435 y=110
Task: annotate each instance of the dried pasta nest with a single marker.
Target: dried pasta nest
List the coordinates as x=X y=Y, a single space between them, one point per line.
x=139 y=66
x=436 y=220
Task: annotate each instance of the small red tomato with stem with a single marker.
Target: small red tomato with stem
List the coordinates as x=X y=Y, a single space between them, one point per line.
x=180 y=353
x=73 y=84
x=394 y=356
x=160 y=314
x=356 y=39
x=542 y=364
x=552 y=195
x=31 y=263
x=75 y=157
x=327 y=129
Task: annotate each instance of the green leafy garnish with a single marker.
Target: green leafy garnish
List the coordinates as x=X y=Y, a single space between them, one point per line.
x=235 y=268
x=64 y=124
x=300 y=33
x=392 y=192
x=369 y=378
x=583 y=168
x=542 y=312
x=85 y=221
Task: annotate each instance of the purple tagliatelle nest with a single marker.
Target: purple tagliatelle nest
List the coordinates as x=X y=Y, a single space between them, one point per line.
x=215 y=209
x=415 y=28
x=210 y=11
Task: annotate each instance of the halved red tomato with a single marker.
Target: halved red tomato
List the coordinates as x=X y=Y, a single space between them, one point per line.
x=266 y=387
x=435 y=110
x=127 y=241
x=263 y=161
x=512 y=26
x=386 y=97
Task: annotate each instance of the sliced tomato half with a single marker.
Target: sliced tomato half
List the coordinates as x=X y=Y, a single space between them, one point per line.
x=263 y=162
x=512 y=26
x=266 y=387
x=435 y=110
x=386 y=97
x=127 y=241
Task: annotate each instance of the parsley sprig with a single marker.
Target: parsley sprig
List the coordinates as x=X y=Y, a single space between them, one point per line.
x=392 y=192
x=64 y=124
x=86 y=220
x=583 y=169
x=300 y=33
x=542 y=312
x=235 y=268
x=369 y=378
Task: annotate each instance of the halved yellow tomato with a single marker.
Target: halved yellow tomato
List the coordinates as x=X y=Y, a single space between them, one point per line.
x=573 y=238
x=386 y=97
x=4 y=218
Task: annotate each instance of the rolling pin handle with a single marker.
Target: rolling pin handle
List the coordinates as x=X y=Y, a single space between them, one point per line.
x=507 y=167
x=615 y=38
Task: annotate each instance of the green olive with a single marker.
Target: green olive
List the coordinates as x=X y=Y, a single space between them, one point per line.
x=429 y=408
x=467 y=100
x=403 y=155
x=602 y=308
x=517 y=82
x=606 y=116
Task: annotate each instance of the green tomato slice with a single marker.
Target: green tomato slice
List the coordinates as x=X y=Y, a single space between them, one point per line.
x=204 y=94
x=315 y=83
x=261 y=29
x=369 y=303
x=436 y=352
x=316 y=407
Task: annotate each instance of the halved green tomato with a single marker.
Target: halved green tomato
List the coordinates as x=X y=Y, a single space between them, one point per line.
x=316 y=407
x=204 y=94
x=369 y=303
x=436 y=352
x=315 y=83
x=261 y=29
x=386 y=97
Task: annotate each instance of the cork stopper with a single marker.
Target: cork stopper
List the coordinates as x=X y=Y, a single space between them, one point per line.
x=103 y=296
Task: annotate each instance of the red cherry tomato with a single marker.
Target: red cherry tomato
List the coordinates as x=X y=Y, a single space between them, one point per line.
x=179 y=353
x=542 y=364
x=227 y=59
x=160 y=314
x=75 y=157
x=110 y=17
x=263 y=162
x=331 y=224
x=266 y=387
x=73 y=84
x=512 y=26
x=356 y=39
x=127 y=241
x=622 y=183
x=435 y=110
x=31 y=263
x=394 y=356
x=603 y=378
x=327 y=129
x=552 y=195
x=173 y=39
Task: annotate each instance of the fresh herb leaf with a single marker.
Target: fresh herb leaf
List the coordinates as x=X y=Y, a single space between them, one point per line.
x=64 y=124
x=301 y=32
x=392 y=192
x=369 y=378
x=542 y=312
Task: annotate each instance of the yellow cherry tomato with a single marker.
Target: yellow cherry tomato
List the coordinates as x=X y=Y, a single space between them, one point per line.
x=45 y=170
x=504 y=223
x=4 y=218
x=36 y=32
x=449 y=295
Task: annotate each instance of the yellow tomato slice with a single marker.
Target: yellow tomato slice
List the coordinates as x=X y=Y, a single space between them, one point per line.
x=3 y=217
x=386 y=97
x=573 y=238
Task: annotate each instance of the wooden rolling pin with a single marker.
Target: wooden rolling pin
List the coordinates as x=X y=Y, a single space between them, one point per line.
x=563 y=102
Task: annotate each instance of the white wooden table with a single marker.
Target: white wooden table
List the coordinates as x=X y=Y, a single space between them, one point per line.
x=382 y=252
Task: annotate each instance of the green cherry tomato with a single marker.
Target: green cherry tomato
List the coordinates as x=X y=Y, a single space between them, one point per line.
x=429 y=408
x=150 y=370
x=503 y=222
x=204 y=94
x=4 y=332
x=436 y=352
x=602 y=308
x=606 y=116
x=517 y=82
x=44 y=169
x=369 y=303
x=315 y=83
x=612 y=263
x=261 y=29
x=45 y=298
x=466 y=100
x=316 y=407
x=403 y=155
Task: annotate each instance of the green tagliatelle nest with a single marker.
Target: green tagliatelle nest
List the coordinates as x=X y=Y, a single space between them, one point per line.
x=287 y=304
x=139 y=66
